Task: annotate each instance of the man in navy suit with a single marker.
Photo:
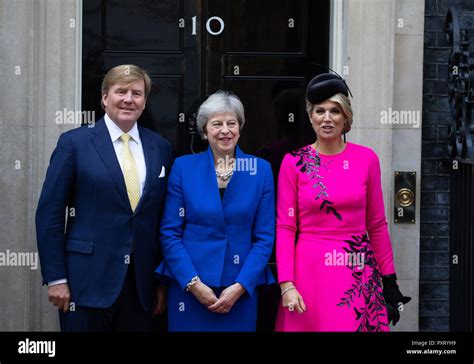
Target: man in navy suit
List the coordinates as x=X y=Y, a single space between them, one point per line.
x=111 y=179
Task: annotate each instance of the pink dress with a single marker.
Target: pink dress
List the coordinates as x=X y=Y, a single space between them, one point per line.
x=327 y=209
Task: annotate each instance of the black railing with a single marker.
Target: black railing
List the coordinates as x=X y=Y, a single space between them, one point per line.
x=460 y=90
x=460 y=146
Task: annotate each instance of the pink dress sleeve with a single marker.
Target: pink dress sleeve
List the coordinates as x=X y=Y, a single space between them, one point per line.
x=287 y=212
x=376 y=221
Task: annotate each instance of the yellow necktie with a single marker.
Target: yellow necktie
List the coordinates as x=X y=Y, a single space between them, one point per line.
x=130 y=172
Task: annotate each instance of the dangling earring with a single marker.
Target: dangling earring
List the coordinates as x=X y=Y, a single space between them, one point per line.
x=344 y=132
x=344 y=137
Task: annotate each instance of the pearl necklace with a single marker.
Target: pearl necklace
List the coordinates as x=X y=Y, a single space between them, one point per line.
x=224 y=176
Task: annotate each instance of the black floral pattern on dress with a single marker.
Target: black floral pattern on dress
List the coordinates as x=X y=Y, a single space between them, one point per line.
x=310 y=163
x=367 y=284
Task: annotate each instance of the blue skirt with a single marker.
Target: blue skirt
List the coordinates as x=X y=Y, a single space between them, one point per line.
x=186 y=313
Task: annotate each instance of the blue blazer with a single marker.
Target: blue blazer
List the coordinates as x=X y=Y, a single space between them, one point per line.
x=223 y=242
x=84 y=174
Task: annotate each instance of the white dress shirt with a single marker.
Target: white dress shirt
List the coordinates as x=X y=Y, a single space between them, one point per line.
x=135 y=145
x=136 y=148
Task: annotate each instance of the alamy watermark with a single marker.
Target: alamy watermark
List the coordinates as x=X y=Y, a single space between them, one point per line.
x=238 y=164
x=345 y=259
x=75 y=117
x=404 y=117
x=19 y=259
x=28 y=346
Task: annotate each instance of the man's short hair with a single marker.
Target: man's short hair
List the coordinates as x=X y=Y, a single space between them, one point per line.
x=125 y=74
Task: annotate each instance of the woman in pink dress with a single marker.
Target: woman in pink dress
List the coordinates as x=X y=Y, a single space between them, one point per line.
x=333 y=250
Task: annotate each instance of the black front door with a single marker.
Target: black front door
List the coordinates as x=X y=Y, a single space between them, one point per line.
x=264 y=51
x=148 y=34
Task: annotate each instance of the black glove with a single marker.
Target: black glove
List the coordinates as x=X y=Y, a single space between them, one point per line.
x=393 y=297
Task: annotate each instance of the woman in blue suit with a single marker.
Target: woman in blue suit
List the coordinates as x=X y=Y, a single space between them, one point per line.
x=217 y=230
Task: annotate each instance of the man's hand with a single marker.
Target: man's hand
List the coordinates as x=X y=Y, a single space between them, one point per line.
x=227 y=299
x=59 y=295
x=160 y=300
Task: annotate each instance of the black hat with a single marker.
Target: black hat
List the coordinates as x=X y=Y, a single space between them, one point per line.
x=325 y=85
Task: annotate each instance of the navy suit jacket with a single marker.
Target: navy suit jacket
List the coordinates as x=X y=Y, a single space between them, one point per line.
x=84 y=175
x=223 y=242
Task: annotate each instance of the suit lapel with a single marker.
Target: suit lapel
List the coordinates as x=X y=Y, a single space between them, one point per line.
x=213 y=196
x=234 y=187
x=105 y=149
x=151 y=161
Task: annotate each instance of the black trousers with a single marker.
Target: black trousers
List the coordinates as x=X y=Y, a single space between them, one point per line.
x=126 y=314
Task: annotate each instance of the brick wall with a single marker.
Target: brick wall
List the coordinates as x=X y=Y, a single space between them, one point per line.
x=436 y=166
